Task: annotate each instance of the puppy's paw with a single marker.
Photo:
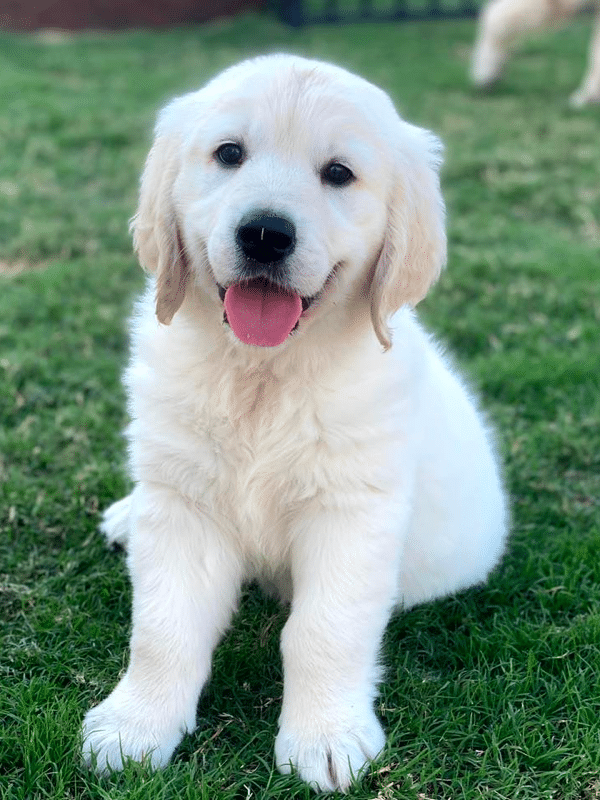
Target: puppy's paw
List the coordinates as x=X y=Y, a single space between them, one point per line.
x=329 y=757
x=115 y=522
x=120 y=729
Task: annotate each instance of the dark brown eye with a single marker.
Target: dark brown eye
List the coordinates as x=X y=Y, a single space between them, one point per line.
x=230 y=154
x=336 y=174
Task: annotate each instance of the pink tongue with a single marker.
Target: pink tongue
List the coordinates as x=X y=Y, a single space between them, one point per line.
x=260 y=313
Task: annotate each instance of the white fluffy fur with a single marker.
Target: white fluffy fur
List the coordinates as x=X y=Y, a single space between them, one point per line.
x=353 y=476
x=502 y=21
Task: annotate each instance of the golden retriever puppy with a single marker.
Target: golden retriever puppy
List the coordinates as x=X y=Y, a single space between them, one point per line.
x=291 y=422
x=501 y=21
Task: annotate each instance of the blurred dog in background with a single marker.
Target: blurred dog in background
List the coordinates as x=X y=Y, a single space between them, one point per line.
x=502 y=21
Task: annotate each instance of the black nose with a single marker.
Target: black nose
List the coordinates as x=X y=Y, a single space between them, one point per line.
x=266 y=237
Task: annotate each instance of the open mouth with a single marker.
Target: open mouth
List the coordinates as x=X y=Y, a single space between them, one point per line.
x=262 y=313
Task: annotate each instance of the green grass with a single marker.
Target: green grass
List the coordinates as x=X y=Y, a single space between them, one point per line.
x=494 y=694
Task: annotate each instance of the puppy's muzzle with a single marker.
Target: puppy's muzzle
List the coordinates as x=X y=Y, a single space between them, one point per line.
x=265 y=239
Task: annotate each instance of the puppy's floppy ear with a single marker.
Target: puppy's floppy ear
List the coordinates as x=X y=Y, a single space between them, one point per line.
x=414 y=247
x=156 y=236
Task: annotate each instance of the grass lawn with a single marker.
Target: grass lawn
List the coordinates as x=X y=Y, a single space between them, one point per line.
x=494 y=694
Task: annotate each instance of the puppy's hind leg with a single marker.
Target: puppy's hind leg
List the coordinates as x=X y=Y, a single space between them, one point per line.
x=116 y=521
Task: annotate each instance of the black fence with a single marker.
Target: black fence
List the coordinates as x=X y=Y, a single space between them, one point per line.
x=308 y=12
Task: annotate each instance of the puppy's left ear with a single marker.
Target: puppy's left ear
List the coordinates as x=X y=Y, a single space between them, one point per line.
x=414 y=247
x=156 y=235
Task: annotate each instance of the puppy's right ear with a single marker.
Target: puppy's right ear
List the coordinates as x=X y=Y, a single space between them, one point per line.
x=414 y=247
x=156 y=236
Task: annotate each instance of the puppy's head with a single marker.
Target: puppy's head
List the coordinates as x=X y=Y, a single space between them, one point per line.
x=285 y=190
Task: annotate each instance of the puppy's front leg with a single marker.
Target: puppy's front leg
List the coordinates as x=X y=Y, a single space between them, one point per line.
x=185 y=587
x=345 y=572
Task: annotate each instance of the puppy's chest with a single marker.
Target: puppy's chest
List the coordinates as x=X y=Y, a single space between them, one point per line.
x=273 y=448
x=255 y=452
x=264 y=444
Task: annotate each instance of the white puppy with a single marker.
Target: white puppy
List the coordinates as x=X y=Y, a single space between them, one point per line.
x=502 y=21
x=286 y=213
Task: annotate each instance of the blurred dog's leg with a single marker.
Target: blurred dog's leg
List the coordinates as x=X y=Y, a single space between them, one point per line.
x=501 y=21
x=589 y=91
